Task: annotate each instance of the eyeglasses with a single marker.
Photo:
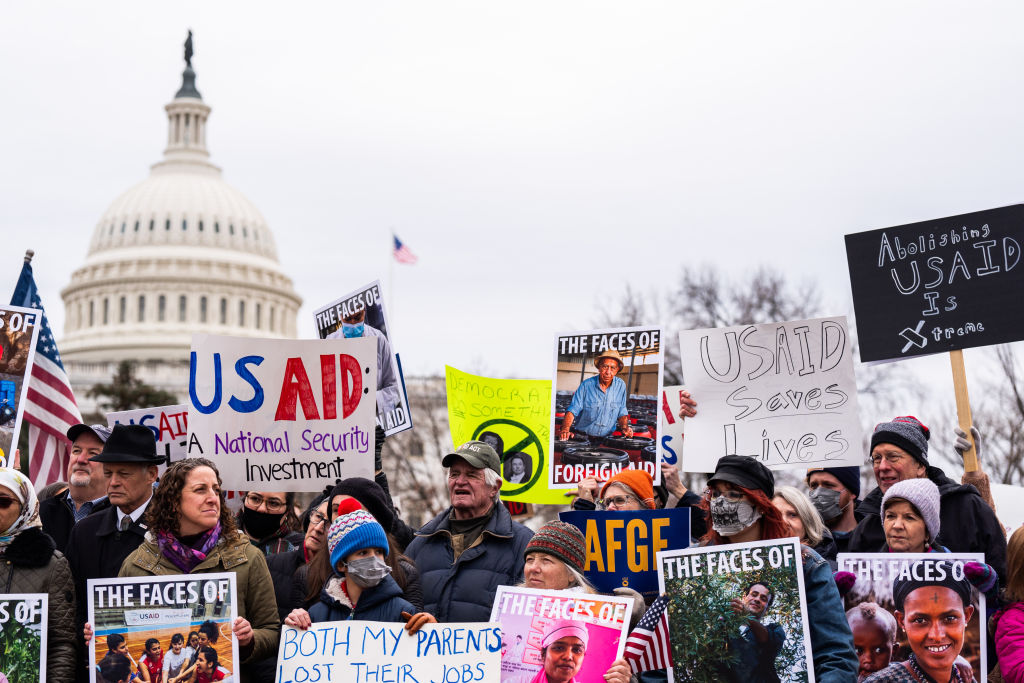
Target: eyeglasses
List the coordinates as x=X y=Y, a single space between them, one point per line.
x=617 y=501
x=7 y=501
x=893 y=459
x=316 y=518
x=609 y=366
x=255 y=500
x=734 y=496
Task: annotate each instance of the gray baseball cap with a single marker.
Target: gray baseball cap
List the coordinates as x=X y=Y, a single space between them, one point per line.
x=476 y=453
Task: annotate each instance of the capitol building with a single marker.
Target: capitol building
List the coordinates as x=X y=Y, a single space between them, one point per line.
x=181 y=252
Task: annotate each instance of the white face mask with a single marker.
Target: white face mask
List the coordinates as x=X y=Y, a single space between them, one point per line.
x=729 y=517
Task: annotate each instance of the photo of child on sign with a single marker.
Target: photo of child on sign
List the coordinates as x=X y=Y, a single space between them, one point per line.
x=144 y=626
x=605 y=404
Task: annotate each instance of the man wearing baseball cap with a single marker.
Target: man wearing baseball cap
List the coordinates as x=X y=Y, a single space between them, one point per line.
x=87 y=487
x=473 y=547
x=599 y=402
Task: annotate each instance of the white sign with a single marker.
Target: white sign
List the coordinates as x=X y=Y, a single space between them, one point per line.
x=169 y=425
x=283 y=415
x=784 y=393
x=373 y=652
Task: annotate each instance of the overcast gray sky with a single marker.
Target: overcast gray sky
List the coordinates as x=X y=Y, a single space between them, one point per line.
x=536 y=156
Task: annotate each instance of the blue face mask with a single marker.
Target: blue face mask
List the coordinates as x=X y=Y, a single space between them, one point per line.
x=351 y=331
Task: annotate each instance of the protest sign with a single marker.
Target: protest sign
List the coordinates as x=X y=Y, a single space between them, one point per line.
x=375 y=652
x=783 y=393
x=19 y=331
x=513 y=416
x=543 y=630
x=671 y=425
x=622 y=546
x=282 y=415
x=23 y=636
x=591 y=408
x=361 y=314
x=718 y=595
x=169 y=425
x=938 y=285
x=135 y=610
x=891 y=635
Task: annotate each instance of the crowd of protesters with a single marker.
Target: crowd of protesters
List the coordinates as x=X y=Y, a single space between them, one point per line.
x=349 y=555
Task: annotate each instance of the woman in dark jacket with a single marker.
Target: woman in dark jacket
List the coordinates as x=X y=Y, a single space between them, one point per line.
x=33 y=565
x=361 y=587
x=284 y=566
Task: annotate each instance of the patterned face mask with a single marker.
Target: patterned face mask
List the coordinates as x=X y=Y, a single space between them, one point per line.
x=729 y=517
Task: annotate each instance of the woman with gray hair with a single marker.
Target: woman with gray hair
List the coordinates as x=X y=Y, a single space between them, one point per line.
x=805 y=522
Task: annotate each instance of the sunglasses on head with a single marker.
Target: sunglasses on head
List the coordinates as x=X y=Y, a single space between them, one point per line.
x=7 y=501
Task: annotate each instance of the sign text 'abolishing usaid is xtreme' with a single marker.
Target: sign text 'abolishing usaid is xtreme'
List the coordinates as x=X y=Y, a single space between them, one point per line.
x=938 y=285
x=784 y=393
x=283 y=415
x=605 y=404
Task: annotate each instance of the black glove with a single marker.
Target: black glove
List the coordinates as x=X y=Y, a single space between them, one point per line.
x=378 y=446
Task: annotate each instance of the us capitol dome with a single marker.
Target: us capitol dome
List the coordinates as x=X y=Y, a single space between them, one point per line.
x=181 y=252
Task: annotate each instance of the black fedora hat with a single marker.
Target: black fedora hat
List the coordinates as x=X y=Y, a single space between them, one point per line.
x=130 y=443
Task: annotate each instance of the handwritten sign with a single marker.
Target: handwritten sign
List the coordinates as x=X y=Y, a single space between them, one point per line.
x=361 y=314
x=169 y=425
x=621 y=546
x=714 y=591
x=513 y=416
x=784 y=393
x=23 y=636
x=283 y=415
x=18 y=335
x=595 y=407
x=938 y=285
x=139 y=608
x=373 y=652
x=533 y=621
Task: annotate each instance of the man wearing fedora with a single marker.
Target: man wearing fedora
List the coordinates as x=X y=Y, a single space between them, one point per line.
x=100 y=542
x=599 y=402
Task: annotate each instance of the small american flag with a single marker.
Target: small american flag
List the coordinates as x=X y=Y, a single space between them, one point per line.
x=402 y=253
x=50 y=407
x=648 y=647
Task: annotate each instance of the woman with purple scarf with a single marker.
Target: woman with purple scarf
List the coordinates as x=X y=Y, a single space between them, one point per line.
x=191 y=531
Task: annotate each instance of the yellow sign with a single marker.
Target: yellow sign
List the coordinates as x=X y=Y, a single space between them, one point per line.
x=514 y=416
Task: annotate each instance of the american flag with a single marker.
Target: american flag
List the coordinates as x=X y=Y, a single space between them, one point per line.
x=402 y=253
x=648 y=647
x=50 y=407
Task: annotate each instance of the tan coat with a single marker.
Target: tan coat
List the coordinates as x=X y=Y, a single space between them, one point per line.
x=256 y=601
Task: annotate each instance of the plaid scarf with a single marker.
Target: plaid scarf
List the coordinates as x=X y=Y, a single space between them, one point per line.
x=182 y=556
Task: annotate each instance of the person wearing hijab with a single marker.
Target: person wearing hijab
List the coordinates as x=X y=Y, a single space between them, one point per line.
x=31 y=564
x=934 y=610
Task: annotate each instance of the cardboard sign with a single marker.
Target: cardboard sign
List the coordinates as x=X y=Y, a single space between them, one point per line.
x=938 y=285
x=23 y=629
x=622 y=546
x=374 y=652
x=714 y=595
x=536 y=625
x=873 y=616
x=784 y=393
x=513 y=416
x=19 y=330
x=139 y=608
x=361 y=314
x=169 y=425
x=594 y=406
x=283 y=415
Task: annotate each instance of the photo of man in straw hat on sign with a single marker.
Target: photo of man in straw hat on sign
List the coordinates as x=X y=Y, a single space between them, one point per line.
x=599 y=403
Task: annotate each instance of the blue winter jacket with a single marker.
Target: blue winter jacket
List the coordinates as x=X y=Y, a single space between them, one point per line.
x=831 y=639
x=464 y=590
x=383 y=602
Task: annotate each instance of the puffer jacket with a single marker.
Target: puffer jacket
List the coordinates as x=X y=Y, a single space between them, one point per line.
x=463 y=589
x=383 y=602
x=31 y=564
x=255 y=598
x=967 y=523
x=1009 y=627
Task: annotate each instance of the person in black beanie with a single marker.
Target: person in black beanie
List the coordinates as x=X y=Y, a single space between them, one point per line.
x=834 y=492
x=899 y=451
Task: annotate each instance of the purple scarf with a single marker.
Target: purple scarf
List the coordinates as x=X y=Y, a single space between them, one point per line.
x=184 y=557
